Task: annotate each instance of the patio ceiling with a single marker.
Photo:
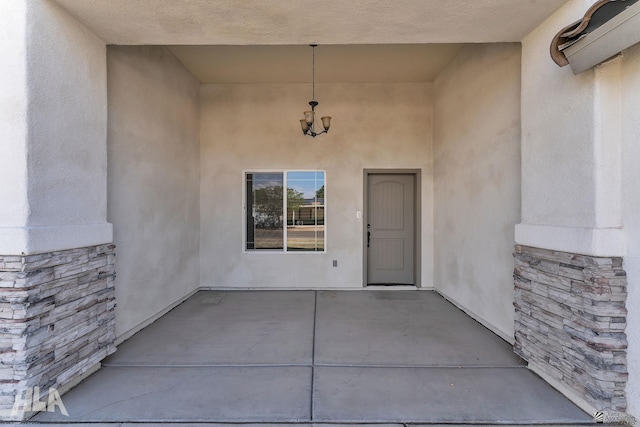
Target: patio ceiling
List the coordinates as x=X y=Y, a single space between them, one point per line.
x=264 y=41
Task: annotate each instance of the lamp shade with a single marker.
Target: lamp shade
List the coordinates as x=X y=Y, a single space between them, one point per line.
x=326 y=122
x=304 y=125
x=309 y=116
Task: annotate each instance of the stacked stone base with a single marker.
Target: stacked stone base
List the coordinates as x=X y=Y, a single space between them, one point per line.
x=58 y=321
x=570 y=320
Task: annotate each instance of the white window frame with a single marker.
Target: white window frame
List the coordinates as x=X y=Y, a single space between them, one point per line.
x=284 y=250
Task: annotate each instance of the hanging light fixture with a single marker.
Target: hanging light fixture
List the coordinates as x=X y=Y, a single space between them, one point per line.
x=308 y=123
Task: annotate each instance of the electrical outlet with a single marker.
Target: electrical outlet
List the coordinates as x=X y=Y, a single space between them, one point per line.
x=335 y=262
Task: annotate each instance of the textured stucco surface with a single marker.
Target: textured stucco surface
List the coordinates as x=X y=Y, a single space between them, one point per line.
x=13 y=114
x=153 y=180
x=477 y=181
x=255 y=127
x=557 y=131
x=631 y=192
x=54 y=115
x=570 y=149
x=257 y=22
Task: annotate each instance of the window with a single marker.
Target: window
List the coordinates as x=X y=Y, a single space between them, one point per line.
x=272 y=220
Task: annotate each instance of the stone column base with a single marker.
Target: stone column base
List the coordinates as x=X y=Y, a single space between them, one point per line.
x=58 y=321
x=570 y=320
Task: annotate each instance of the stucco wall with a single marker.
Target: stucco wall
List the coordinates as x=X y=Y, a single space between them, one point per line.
x=570 y=153
x=580 y=174
x=153 y=148
x=254 y=127
x=13 y=116
x=631 y=200
x=477 y=181
x=556 y=152
x=54 y=108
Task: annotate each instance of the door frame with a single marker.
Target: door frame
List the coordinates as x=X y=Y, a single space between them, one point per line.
x=417 y=219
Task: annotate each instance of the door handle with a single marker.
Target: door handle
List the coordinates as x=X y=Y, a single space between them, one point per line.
x=368 y=235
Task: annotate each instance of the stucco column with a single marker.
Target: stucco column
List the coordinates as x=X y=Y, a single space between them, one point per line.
x=570 y=282
x=14 y=207
x=571 y=145
x=56 y=258
x=53 y=98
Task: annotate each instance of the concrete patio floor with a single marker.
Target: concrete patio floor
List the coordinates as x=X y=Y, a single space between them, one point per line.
x=313 y=357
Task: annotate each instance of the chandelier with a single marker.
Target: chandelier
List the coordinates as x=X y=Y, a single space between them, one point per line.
x=308 y=123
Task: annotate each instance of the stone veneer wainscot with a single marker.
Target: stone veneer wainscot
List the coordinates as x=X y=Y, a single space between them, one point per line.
x=570 y=320
x=57 y=316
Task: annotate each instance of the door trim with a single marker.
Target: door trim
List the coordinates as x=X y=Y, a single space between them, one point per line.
x=417 y=219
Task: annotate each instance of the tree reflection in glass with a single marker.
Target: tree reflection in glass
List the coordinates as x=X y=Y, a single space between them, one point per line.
x=305 y=211
x=264 y=211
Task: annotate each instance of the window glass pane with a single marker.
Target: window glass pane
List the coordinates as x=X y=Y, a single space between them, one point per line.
x=305 y=211
x=264 y=211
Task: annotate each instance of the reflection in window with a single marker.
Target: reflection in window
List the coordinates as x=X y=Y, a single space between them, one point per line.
x=264 y=211
x=304 y=211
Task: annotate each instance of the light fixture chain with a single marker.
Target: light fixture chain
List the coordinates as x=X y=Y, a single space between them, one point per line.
x=313 y=74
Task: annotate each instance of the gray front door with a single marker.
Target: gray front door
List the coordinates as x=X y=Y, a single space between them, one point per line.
x=390 y=229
